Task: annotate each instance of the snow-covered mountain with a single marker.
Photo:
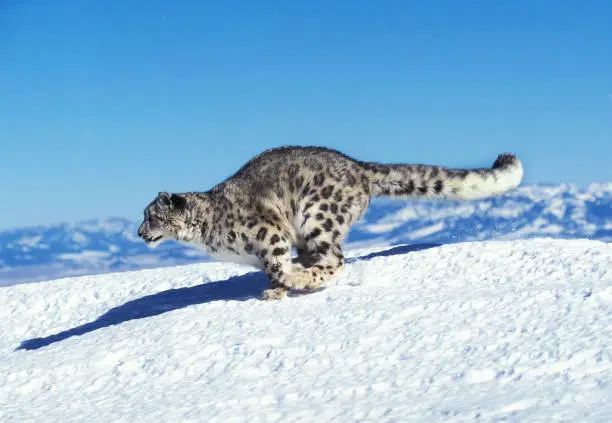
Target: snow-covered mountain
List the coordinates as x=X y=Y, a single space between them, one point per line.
x=99 y=246
x=562 y=211
x=513 y=331
x=70 y=249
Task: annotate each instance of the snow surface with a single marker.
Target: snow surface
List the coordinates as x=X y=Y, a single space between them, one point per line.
x=498 y=330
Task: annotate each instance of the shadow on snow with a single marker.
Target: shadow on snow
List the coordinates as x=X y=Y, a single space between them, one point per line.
x=236 y=288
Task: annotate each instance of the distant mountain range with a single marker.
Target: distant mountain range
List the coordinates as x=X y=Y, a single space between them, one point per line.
x=111 y=244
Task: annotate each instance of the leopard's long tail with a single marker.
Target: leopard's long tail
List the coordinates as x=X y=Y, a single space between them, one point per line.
x=424 y=181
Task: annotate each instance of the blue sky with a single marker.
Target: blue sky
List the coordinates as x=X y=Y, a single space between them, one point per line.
x=105 y=103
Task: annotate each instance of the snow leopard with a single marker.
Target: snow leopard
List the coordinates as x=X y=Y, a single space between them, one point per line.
x=288 y=210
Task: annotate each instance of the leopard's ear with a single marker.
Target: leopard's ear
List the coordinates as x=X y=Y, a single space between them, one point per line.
x=178 y=201
x=173 y=201
x=164 y=198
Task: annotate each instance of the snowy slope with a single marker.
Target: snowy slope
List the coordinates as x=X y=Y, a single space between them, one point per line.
x=100 y=246
x=512 y=330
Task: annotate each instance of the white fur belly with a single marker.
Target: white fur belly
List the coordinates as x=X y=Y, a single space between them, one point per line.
x=228 y=256
x=231 y=257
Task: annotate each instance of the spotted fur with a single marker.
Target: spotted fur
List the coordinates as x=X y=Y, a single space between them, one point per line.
x=307 y=199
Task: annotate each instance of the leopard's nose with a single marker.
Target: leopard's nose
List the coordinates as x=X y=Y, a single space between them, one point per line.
x=141 y=230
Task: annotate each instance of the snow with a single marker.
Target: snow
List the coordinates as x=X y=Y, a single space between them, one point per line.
x=427 y=230
x=496 y=330
x=510 y=210
x=381 y=228
x=87 y=256
x=79 y=238
x=114 y=248
x=538 y=226
x=29 y=241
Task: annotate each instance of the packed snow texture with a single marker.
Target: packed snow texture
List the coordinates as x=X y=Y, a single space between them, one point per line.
x=501 y=330
x=99 y=246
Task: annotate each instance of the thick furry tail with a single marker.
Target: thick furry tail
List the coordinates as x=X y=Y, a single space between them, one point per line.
x=422 y=181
